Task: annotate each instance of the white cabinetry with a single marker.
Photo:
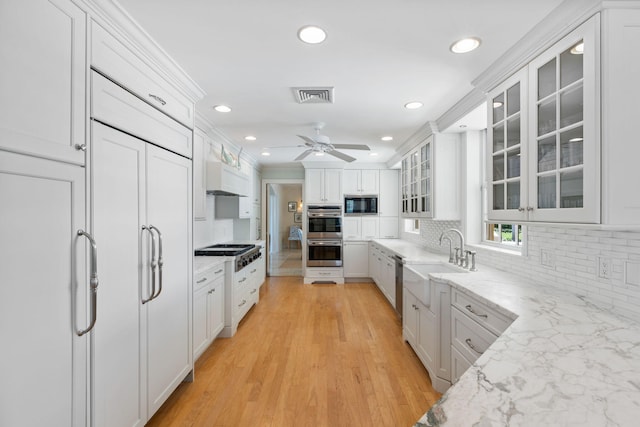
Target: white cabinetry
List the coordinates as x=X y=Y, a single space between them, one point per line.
x=356 y=259
x=360 y=227
x=323 y=186
x=430 y=183
x=43 y=295
x=43 y=77
x=208 y=307
x=543 y=137
x=363 y=181
x=224 y=179
x=200 y=150
x=388 y=204
x=382 y=271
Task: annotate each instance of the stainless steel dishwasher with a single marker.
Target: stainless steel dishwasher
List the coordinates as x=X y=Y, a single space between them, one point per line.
x=399 y=264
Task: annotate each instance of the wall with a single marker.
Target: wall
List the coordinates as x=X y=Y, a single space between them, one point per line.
x=212 y=230
x=288 y=193
x=283 y=172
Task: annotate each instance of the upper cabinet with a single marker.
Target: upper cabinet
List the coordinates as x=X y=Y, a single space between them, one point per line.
x=388 y=201
x=43 y=79
x=200 y=150
x=543 y=144
x=430 y=181
x=361 y=181
x=323 y=186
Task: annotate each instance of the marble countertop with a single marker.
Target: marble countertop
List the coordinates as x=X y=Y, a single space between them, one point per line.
x=562 y=362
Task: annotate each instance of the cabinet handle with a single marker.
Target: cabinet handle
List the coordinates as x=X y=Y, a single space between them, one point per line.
x=253 y=291
x=157 y=98
x=152 y=264
x=468 y=307
x=244 y=301
x=217 y=272
x=254 y=270
x=212 y=291
x=242 y=280
x=520 y=209
x=529 y=208
x=204 y=279
x=80 y=147
x=471 y=346
x=160 y=261
x=93 y=282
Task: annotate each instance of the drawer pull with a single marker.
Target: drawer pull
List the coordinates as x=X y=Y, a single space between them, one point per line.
x=157 y=98
x=217 y=271
x=242 y=280
x=471 y=346
x=204 y=279
x=254 y=270
x=244 y=301
x=468 y=307
x=253 y=291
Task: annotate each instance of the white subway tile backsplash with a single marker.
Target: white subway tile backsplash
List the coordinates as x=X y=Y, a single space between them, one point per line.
x=575 y=252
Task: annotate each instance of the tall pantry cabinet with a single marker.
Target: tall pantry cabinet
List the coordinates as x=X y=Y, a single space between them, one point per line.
x=66 y=179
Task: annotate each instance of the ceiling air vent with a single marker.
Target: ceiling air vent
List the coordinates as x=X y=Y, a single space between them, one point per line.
x=314 y=95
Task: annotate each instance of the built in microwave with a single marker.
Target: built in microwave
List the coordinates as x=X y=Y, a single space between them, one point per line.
x=361 y=204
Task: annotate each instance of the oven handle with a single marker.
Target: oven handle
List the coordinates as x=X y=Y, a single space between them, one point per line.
x=324 y=242
x=325 y=215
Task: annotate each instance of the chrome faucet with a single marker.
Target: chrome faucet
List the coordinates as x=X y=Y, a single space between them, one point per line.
x=451 y=258
x=462 y=256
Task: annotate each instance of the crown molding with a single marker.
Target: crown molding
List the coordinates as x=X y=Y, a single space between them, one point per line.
x=424 y=132
x=221 y=138
x=461 y=108
x=111 y=14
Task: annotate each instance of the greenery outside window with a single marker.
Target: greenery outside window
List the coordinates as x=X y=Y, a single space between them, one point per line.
x=509 y=236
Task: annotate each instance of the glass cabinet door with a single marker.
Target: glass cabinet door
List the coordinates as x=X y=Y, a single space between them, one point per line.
x=404 y=176
x=414 y=176
x=506 y=138
x=563 y=142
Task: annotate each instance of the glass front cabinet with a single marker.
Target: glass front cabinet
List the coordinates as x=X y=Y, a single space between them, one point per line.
x=543 y=145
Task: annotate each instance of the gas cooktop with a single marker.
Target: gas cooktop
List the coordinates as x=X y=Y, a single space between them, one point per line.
x=225 y=249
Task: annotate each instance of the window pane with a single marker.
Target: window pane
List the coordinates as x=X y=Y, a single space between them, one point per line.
x=498 y=167
x=571 y=68
x=513 y=163
x=547 y=154
x=546 y=192
x=571 y=194
x=498 y=108
x=513 y=131
x=513 y=194
x=547 y=116
x=547 y=79
x=571 y=106
x=498 y=137
x=498 y=196
x=571 y=148
x=513 y=99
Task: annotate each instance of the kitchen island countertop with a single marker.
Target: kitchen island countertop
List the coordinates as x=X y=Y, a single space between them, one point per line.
x=562 y=362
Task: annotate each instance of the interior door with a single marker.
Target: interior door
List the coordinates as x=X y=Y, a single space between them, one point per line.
x=118 y=213
x=43 y=291
x=169 y=320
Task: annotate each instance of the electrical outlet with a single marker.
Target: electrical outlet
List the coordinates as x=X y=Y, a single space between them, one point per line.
x=604 y=268
x=547 y=258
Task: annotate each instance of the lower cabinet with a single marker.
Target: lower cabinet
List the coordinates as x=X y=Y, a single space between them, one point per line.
x=355 y=259
x=208 y=308
x=382 y=269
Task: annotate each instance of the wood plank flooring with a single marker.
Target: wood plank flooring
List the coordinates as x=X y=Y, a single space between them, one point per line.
x=307 y=355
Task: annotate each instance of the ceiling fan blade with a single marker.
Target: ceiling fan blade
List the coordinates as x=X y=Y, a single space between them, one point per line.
x=303 y=155
x=352 y=146
x=342 y=156
x=286 y=146
x=307 y=140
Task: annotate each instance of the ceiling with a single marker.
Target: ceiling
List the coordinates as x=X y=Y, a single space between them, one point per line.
x=378 y=55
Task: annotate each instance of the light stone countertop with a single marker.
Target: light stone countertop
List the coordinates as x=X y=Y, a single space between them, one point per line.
x=562 y=362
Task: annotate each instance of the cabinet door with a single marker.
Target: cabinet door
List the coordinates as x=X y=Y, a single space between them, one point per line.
x=388 y=202
x=200 y=320
x=313 y=186
x=564 y=145
x=333 y=186
x=459 y=365
x=427 y=337
x=42 y=294
x=356 y=259
x=506 y=136
x=405 y=191
x=352 y=182
x=245 y=207
x=216 y=308
x=369 y=181
x=169 y=349
x=409 y=318
x=388 y=228
x=42 y=78
x=200 y=148
x=352 y=228
x=370 y=227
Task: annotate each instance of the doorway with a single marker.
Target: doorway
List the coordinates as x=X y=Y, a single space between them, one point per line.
x=285 y=230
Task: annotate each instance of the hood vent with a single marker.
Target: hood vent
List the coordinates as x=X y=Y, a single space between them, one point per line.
x=313 y=95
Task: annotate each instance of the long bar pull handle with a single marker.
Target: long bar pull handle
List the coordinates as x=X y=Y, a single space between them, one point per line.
x=160 y=261
x=93 y=282
x=152 y=264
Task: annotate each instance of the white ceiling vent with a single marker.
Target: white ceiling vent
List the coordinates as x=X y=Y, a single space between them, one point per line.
x=314 y=95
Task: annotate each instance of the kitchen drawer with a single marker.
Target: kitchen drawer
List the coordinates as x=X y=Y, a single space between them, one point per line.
x=468 y=336
x=208 y=276
x=325 y=272
x=459 y=365
x=115 y=60
x=480 y=312
x=112 y=105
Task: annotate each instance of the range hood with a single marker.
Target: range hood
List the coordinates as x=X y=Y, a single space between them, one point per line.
x=224 y=180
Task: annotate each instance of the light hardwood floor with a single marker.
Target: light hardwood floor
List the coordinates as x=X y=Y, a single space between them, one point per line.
x=307 y=355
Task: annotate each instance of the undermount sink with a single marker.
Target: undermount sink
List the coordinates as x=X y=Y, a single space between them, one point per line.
x=416 y=279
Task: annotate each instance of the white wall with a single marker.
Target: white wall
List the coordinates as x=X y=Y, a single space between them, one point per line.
x=288 y=193
x=212 y=230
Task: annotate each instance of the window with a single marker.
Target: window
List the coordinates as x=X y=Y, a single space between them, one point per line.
x=412 y=226
x=507 y=235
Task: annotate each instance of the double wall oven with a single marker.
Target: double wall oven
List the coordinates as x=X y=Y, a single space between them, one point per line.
x=324 y=236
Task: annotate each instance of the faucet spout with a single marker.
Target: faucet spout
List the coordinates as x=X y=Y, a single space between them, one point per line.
x=459 y=233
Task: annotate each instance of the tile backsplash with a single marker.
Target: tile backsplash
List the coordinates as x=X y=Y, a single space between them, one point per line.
x=602 y=266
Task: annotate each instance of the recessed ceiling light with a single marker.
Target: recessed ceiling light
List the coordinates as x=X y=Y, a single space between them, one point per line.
x=497 y=104
x=578 y=139
x=266 y=153
x=465 y=45
x=222 y=108
x=319 y=154
x=412 y=105
x=387 y=138
x=578 y=49
x=312 y=34
x=373 y=154
x=250 y=138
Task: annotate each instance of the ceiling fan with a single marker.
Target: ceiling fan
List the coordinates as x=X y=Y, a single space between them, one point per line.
x=322 y=144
